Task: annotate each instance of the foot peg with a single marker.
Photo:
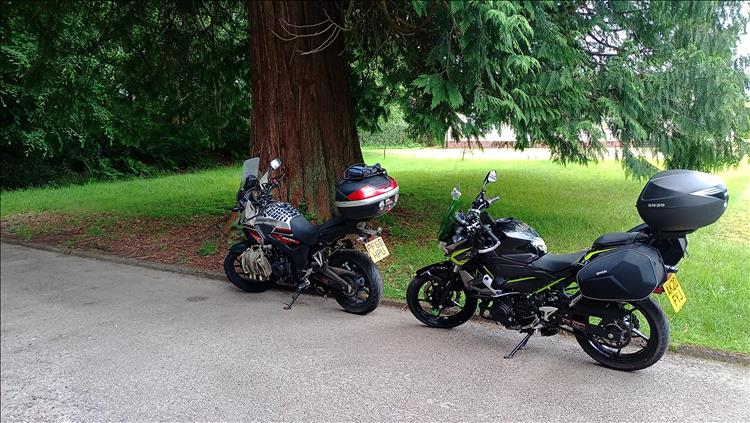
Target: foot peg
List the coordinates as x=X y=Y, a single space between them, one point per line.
x=301 y=287
x=520 y=344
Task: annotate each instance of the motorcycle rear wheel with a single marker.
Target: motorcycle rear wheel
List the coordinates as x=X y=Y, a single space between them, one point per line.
x=653 y=340
x=369 y=295
x=460 y=313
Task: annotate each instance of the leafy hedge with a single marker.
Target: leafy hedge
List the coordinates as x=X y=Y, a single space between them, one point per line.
x=98 y=90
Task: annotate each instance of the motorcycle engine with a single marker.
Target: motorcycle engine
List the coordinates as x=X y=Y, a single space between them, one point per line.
x=255 y=263
x=513 y=312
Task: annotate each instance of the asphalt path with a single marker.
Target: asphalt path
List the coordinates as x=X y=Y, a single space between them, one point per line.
x=91 y=340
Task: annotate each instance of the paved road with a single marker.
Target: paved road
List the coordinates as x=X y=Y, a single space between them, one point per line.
x=89 y=340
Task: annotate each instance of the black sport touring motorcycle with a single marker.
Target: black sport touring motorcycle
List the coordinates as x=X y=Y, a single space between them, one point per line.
x=602 y=294
x=283 y=247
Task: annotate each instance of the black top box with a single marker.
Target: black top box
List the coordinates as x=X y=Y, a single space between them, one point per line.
x=682 y=201
x=366 y=192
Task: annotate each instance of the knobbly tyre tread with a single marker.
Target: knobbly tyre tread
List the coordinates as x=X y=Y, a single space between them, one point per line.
x=372 y=275
x=654 y=351
x=239 y=282
x=412 y=300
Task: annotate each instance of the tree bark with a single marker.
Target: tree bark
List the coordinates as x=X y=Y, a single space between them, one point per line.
x=302 y=110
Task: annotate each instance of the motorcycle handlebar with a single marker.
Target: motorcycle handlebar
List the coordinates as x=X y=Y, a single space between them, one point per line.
x=487 y=231
x=489 y=234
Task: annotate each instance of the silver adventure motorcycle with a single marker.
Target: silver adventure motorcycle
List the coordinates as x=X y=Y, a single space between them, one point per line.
x=282 y=247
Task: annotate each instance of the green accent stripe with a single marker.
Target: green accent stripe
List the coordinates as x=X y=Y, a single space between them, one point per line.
x=520 y=279
x=547 y=286
x=593 y=253
x=456 y=253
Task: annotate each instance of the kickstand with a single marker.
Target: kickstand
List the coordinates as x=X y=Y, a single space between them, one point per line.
x=301 y=287
x=521 y=344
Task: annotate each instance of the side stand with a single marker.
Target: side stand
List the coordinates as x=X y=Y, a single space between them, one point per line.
x=521 y=344
x=301 y=287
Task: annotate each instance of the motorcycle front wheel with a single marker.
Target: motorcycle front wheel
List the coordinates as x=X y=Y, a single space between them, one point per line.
x=423 y=297
x=368 y=278
x=644 y=340
x=240 y=279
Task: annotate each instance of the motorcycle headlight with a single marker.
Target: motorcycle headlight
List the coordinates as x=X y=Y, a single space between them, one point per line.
x=539 y=245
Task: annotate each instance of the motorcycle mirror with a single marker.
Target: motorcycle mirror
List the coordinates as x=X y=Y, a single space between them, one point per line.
x=276 y=163
x=455 y=193
x=491 y=177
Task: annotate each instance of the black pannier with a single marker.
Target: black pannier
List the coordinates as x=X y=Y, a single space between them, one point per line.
x=682 y=201
x=629 y=273
x=365 y=192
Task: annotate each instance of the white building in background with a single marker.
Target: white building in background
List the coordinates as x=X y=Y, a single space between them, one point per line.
x=505 y=137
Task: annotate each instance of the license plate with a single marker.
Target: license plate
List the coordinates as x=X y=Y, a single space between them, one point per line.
x=675 y=293
x=377 y=249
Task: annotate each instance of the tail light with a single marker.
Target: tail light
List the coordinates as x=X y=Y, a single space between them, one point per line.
x=660 y=289
x=369 y=191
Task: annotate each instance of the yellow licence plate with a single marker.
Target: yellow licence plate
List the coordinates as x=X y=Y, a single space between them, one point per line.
x=675 y=293
x=377 y=249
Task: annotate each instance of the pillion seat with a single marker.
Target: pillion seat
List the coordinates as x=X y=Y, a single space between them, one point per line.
x=618 y=238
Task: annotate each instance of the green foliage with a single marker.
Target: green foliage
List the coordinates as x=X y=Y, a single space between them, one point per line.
x=392 y=131
x=105 y=89
x=660 y=75
x=208 y=248
x=95 y=231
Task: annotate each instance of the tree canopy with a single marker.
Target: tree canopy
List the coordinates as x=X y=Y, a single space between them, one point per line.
x=110 y=88
x=661 y=75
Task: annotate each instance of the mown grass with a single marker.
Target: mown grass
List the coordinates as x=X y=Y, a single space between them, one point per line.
x=568 y=205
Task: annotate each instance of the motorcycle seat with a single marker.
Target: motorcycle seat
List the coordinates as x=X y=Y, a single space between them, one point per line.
x=554 y=263
x=619 y=238
x=309 y=233
x=304 y=231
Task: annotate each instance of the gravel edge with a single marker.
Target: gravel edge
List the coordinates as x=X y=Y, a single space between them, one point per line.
x=687 y=349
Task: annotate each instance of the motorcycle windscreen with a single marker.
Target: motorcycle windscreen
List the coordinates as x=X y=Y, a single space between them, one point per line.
x=629 y=273
x=448 y=220
x=250 y=168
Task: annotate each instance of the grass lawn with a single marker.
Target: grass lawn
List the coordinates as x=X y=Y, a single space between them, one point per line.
x=569 y=206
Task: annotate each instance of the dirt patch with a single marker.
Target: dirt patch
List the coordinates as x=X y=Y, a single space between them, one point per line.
x=200 y=243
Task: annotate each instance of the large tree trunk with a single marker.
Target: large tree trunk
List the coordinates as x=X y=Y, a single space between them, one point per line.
x=302 y=110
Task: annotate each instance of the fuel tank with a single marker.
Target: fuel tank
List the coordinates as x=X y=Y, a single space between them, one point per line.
x=520 y=242
x=274 y=222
